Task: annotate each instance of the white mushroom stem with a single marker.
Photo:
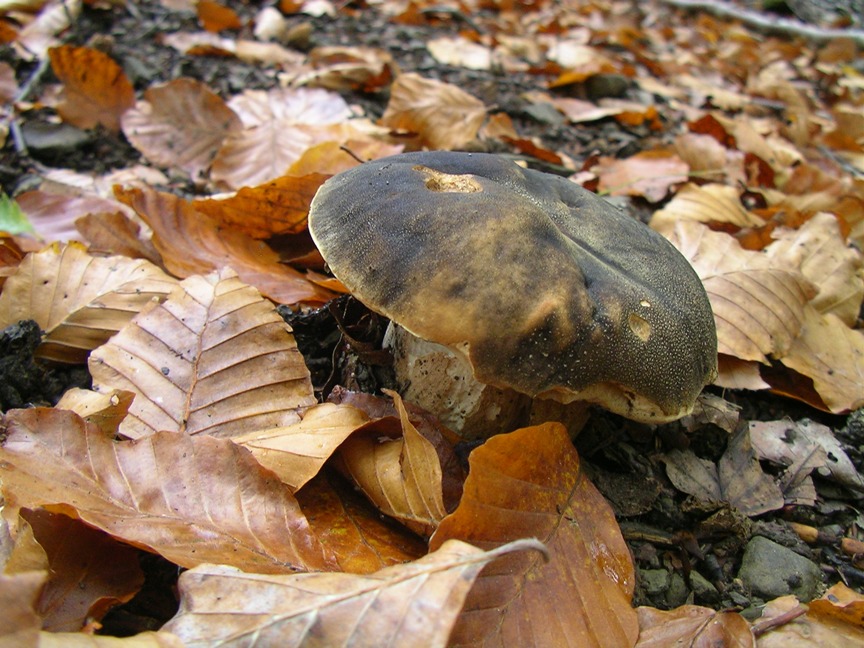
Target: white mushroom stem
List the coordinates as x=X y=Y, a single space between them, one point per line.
x=439 y=379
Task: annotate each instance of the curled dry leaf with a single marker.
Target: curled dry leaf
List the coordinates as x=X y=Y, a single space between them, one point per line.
x=296 y=452
x=192 y=243
x=79 y=301
x=529 y=483
x=414 y=604
x=758 y=304
x=401 y=476
x=460 y=52
x=277 y=207
x=834 y=620
x=105 y=411
x=180 y=124
x=443 y=115
x=342 y=68
x=711 y=203
x=95 y=88
x=214 y=359
x=691 y=625
x=116 y=233
x=192 y=500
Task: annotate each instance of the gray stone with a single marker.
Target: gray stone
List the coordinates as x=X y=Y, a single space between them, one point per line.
x=678 y=591
x=771 y=570
x=654 y=581
x=703 y=589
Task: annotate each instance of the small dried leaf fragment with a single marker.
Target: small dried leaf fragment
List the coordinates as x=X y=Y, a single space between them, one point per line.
x=297 y=452
x=180 y=124
x=214 y=359
x=691 y=625
x=444 y=116
x=192 y=500
x=79 y=300
x=529 y=484
x=414 y=604
x=758 y=304
x=105 y=410
x=96 y=90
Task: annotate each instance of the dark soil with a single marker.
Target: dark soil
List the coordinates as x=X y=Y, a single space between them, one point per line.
x=341 y=341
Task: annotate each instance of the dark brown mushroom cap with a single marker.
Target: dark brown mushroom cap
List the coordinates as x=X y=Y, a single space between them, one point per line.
x=550 y=290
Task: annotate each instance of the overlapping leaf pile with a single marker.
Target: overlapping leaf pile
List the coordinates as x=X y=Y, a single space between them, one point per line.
x=202 y=440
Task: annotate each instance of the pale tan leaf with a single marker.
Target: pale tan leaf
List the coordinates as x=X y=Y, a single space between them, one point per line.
x=650 y=174
x=80 y=640
x=712 y=203
x=758 y=305
x=19 y=623
x=35 y=38
x=460 y=52
x=530 y=483
x=78 y=300
x=192 y=500
x=414 y=604
x=54 y=214
x=825 y=259
x=709 y=159
x=105 y=411
x=691 y=625
x=401 y=476
x=214 y=359
x=833 y=621
x=349 y=68
x=296 y=452
x=733 y=373
x=180 y=124
x=832 y=355
x=443 y=115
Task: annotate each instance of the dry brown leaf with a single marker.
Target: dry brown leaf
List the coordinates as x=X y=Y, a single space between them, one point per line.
x=352 y=530
x=649 y=174
x=819 y=249
x=192 y=500
x=82 y=585
x=529 y=483
x=180 y=124
x=414 y=604
x=832 y=355
x=79 y=301
x=215 y=359
x=215 y=17
x=330 y=158
x=277 y=207
x=105 y=411
x=458 y=51
x=191 y=243
x=711 y=203
x=115 y=233
x=694 y=626
x=95 y=88
x=80 y=640
x=53 y=215
x=834 y=621
x=19 y=623
x=758 y=304
x=296 y=452
x=401 y=476
x=35 y=38
x=733 y=373
x=443 y=115
x=709 y=159
x=344 y=68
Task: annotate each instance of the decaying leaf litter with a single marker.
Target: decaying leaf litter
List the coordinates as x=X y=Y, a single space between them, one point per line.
x=199 y=441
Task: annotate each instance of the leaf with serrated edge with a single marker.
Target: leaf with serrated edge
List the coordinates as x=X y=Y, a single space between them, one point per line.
x=216 y=359
x=79 y=300
x=192 y=500
x=529 y=483
x=296 y=452
x=758 y=304
x=414 y=604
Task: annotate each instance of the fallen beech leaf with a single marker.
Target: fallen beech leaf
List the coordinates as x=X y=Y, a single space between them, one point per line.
x=414 y=604
x=79 y=301
x=215 y=359
x=215 y=17
x=35 y=38
x=709 y=159
x=105 y=411
x=832 y=355
x=192 y=500
x=839 y=603
x=649 y=174
x=297 y=451
x=180 y=124
x=402 y=476
x=733 y=373
x=834 y=621
x=529 y=483
x=53 y=215
x=80 y=640
x=460 y=52
x=344 y=68
x=825 y=259
x=191 y=243
x=81 y=585
x=443 y=115
x=115 y=233
x=95 y=88
x=19 y=623
x=706 y=204
x=758 y=304
x=351 y=529
x=691 y=625
x=330 y=158
x=277 y=207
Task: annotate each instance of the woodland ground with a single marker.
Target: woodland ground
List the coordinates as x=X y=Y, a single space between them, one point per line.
x=656 y=519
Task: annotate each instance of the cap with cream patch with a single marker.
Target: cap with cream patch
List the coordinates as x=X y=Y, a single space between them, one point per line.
x=548 y=289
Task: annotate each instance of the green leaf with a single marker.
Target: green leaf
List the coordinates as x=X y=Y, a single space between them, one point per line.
x=12 y=219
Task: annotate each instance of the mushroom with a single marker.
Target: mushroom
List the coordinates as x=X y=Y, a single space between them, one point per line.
x=523 y=281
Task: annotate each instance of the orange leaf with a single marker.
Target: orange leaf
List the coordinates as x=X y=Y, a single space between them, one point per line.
x=215 y=17
x=529 y=483
x=96 y=90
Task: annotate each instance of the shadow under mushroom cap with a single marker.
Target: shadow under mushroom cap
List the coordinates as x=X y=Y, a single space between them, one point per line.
x=551 y=290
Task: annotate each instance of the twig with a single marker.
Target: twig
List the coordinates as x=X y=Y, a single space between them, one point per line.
x=769 y=24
